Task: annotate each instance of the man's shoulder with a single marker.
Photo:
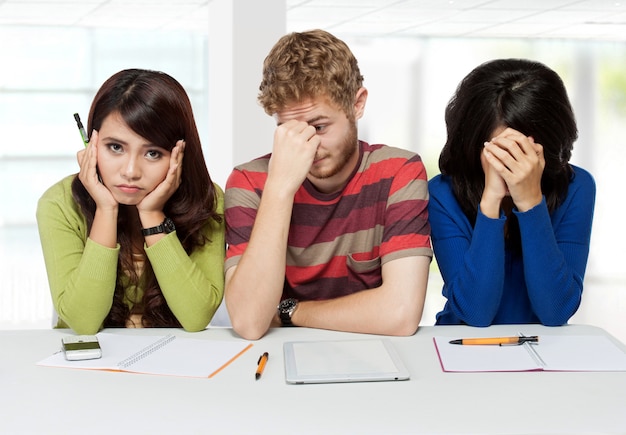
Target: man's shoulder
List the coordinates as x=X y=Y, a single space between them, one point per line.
x=260 y=164
x=250 y=175
x=383 y=152
x=385 y=159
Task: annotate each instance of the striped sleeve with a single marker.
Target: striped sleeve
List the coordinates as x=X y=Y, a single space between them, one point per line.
x=407 y=231
x=406 y=228
x=241 y=202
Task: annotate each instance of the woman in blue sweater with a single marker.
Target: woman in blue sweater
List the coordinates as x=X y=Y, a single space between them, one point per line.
x=510 y=217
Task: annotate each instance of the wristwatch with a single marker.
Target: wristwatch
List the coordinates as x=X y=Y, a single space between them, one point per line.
x=286 y=309
x=167 y=226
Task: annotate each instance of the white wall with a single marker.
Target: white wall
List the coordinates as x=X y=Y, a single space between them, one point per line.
x=409 y=82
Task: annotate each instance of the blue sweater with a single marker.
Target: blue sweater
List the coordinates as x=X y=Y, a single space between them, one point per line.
x=485 y=284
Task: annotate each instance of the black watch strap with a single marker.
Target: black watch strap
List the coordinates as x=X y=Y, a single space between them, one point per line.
x=167 y=226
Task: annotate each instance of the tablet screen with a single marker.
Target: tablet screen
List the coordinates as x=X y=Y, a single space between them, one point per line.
x=342 y=361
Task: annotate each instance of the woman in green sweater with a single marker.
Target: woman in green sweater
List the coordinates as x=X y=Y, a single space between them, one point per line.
x=136 y=238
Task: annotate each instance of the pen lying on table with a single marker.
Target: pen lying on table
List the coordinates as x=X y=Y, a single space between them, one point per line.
x=261 y=365
x=496 y=340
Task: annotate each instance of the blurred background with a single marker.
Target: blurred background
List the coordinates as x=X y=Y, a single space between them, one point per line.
x=55 y=55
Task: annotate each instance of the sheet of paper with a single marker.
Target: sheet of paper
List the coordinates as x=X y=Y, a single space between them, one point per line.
x=552 y=353
x=581 y=353
x=175 y=356
x=459 y=358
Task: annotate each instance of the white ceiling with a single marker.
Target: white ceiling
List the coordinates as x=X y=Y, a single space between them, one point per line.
x=595 y=19
x=579 y=19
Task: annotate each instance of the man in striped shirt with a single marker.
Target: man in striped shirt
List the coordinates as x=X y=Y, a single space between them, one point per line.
x=326 y=231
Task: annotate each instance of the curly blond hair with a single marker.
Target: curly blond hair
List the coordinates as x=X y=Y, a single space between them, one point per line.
x=309 y=65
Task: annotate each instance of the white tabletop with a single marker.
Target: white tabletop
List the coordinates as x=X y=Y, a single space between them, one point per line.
x=36 y=399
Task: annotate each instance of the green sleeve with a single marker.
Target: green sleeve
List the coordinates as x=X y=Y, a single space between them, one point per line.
x=81 y=273
x=193 y=285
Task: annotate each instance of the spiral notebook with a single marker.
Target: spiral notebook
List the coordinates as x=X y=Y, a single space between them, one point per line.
x=157 y=355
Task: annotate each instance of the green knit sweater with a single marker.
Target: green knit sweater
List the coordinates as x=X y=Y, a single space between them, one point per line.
x=82 y=274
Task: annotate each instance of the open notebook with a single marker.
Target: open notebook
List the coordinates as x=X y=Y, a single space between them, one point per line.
x=157 y=355
x=552 y=353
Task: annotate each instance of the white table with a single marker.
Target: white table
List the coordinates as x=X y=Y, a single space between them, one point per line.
x=35 y=399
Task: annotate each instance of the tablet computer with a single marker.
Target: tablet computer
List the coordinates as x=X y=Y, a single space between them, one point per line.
x=366 y=360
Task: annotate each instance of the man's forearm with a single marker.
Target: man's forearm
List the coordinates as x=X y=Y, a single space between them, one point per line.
x=394 y=308
x=255 y=285
x=363 y=312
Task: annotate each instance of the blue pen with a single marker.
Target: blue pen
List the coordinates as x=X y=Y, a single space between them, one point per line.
x=81 y=129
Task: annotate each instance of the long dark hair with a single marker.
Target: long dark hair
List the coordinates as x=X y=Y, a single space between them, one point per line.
x=518 y=93
x=156 y=107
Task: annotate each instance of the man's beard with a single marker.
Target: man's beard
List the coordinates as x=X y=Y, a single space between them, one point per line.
x=348 y=148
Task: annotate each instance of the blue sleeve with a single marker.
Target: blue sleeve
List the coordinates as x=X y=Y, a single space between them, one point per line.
x=471 y=260
x=555 y=251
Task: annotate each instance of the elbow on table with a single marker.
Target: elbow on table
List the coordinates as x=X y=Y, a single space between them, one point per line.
x=480 y=320
x=248 y=330
x=80 y=324
x=249 y=325
x=554 y=321
x=405 y=324
x=484 y=323
x=558 y=317
x=195 y=326
x=478 y=315
x=86 y=328
x=406 y=330
x=198 y=320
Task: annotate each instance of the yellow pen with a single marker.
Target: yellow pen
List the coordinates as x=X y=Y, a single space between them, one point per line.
x=81 y=129
x=261 y=365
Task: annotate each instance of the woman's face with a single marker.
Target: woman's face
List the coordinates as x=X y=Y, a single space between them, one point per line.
x=130 y=166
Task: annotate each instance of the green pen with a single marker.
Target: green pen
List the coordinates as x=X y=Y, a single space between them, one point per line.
x=81 y=129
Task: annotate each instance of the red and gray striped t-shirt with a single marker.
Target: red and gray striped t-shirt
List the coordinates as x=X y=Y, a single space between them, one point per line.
x=338 y=242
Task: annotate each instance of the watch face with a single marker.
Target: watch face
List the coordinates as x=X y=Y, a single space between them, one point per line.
x=285 y=311
x=168 y=225
x=288 y=305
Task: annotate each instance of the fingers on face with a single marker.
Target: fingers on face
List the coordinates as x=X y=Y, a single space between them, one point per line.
x=179 y=149
x=510 y=150
x=296 y=128
x=93 y=141
x=513 y=140
x=497 y=149
x=176 y=162
x=88 y=153
x=489 y=159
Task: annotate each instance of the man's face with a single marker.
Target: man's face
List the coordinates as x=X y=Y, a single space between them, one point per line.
x=337 y=154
